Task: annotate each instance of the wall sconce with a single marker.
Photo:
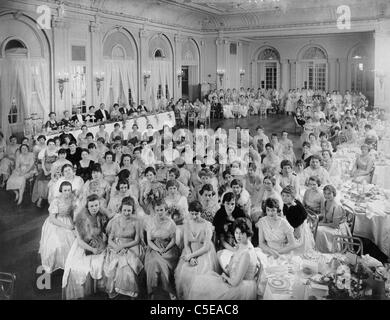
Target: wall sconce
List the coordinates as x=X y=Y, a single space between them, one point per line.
x=220 y=73
x=147 y=75
x=381 y=76
x=62 y=78
x=242 y=72
x=180 y=74
x=99 y=78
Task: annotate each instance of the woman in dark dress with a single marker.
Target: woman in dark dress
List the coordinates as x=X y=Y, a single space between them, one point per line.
x=52 y=122
x=224 y=231
x=296 y=216
x=84 y=166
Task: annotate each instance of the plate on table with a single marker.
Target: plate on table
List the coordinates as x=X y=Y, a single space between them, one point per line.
x=279 y=283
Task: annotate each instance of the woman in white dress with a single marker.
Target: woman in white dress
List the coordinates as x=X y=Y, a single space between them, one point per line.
x=8 y=159
x=125 y=254
x=198 y=256
x=24 y=169
x=86 y=257
x=58 y=230
x=276 y=235
x=333 y=223
x=238 y=281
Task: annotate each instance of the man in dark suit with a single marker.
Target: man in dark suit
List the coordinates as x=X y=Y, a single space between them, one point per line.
x=78 y=117
x=142 y=107
x=128 y=110
x=101 y=114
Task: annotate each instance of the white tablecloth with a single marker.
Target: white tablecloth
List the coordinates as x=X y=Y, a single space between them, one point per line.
x=381 y=176
x=376 y=228
x=157 y=121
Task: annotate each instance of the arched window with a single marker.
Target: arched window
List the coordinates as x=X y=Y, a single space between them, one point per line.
x=314 y=69
x=15 y=49
x=269 y=68
x=358 y=68
x=158 y=54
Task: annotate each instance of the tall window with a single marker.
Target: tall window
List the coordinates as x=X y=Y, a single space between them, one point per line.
x=268 y=68
x=270 y=76
x=316 y=78
x=315 y=69
x=13 y=112
x=159 y=92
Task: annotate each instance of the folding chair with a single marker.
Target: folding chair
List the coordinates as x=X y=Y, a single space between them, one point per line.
x=346 y=244
x=7 y=285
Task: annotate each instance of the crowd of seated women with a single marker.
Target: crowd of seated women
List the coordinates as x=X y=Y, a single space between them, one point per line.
x=124 y=222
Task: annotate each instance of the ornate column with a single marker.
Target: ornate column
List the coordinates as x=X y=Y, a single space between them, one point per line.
x=293 y=74
x=382 y=65
x=285 y=78
x=221 y=61
x=343 y=71
x=143 y=63
x=61 y=59
x=97 y=62
x=332 y=85
x=253 y=66
x=177 y=65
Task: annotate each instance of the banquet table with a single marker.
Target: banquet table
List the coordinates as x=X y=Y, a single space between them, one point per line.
x=371 y=206
x=156 y=120
x=286 y=278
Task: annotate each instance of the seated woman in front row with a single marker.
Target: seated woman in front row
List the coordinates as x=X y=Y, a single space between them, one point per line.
x=276 y=235
x=198 y=255
x=162 y=253
x=239 y=280
x=86 y=257
x=125 y=254
x=334 y=222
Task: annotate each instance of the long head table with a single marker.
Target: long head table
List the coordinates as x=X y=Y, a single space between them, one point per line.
x=156 y=120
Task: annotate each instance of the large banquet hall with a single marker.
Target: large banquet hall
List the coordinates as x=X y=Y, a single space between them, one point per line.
x=194 y=150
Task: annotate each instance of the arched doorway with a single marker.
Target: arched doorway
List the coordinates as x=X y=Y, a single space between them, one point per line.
x=25 y=89
x=268 y=69
x=313 y=63
x=120 y=69
x=190 y=71
x=360 y=77
x=159 y=88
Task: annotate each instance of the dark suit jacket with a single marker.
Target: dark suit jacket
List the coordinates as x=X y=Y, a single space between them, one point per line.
x=74 y=118
x=99 y=114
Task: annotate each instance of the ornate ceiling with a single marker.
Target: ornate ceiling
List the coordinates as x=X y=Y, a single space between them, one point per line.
x=238 y=15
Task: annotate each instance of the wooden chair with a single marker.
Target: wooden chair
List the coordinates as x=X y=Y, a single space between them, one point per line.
x=191 y=118
x=344 y=244
x=7 y=285
x=350 y=216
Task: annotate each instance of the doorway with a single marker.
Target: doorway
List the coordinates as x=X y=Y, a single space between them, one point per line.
x=185 y=90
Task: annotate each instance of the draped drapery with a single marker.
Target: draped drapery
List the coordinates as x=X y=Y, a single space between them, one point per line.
x=161 y=75
x=120 y=76
x=233 y=72
x=21 y=78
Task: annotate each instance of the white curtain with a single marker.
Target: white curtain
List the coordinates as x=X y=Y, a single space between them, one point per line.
x=120 y=76
x=233 y=73
x=20 y=78
x=161 y=75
